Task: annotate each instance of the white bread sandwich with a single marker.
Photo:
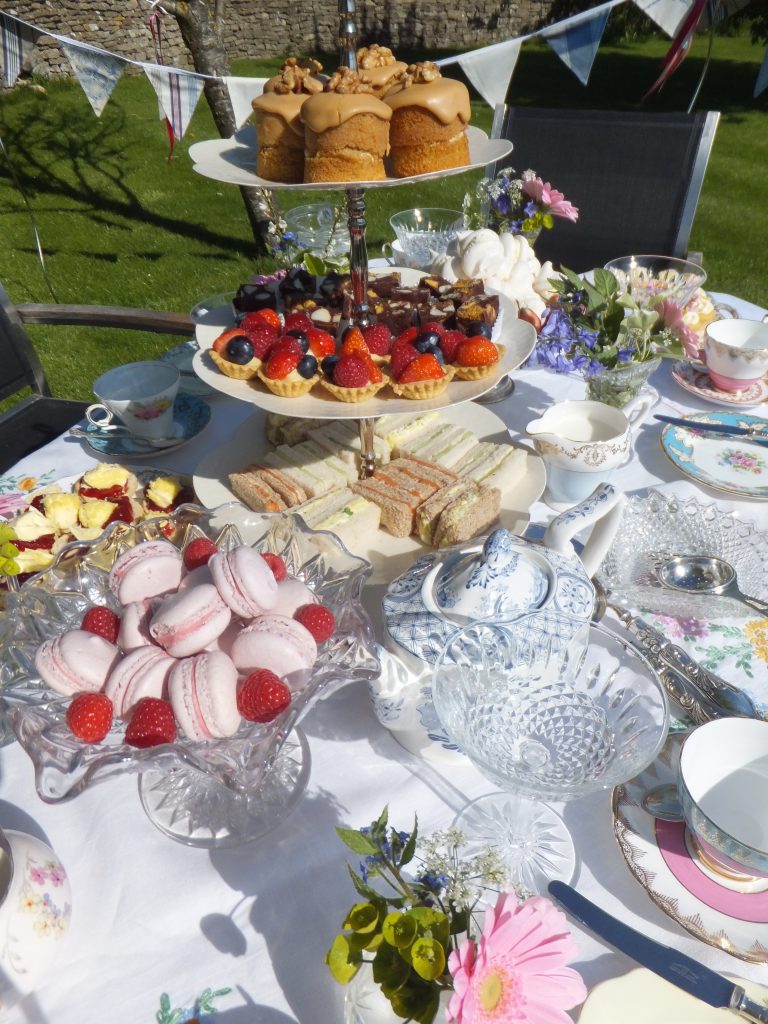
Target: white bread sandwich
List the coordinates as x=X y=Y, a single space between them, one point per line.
x=348 y=515
x=442 y=443
x=494 y=465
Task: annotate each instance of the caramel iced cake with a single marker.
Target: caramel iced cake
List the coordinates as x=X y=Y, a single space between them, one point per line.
x=277 y=116
x=380 y=67
x=434 y=480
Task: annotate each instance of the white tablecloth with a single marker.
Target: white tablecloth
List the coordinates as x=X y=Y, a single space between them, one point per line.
x=153 y=916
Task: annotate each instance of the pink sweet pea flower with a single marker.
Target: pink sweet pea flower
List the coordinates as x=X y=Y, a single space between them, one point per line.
x=554 y=201
x=517 y=973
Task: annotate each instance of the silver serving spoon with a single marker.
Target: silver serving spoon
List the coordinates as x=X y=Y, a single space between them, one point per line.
x=705 y=574
x=663 y=802
x=152 y=442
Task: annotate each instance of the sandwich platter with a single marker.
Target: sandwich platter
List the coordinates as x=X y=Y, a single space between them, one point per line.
x=389 y=556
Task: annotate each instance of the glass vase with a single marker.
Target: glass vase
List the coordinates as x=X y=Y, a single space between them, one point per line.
x=621 y=384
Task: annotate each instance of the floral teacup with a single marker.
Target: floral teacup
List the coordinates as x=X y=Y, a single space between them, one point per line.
x=139 y=395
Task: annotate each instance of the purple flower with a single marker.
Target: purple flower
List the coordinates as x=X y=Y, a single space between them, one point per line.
x=530 y=208
x=624 y=355
x=588 y=337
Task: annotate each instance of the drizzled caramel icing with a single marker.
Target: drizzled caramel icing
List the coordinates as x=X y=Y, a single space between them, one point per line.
x=347 y=94
x=445 y=98
x=379 y=65
x=287 y=106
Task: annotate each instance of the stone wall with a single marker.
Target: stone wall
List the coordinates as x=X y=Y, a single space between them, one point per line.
x=266 y=28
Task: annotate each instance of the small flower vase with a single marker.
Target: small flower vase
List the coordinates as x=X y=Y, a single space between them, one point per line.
x=531 y=236
x=621 y=384
x=364 y=1002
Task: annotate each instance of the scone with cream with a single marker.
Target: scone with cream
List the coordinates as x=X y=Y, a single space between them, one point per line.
x=430 y=115
x=279 y=129
x=346 y=131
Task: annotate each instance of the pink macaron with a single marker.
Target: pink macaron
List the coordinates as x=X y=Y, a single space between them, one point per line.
x=134 y=624
x=74 y=661
x=278 y=643
x=141 y=673
x=292 y=593
x=244 y=580
x=148 y=570
x=186 y=622
x=203 y=693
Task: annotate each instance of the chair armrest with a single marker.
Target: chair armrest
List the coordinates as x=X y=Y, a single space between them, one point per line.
x=155 y=322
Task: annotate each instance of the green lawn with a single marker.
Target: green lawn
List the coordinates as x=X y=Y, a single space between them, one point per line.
x=120 y=224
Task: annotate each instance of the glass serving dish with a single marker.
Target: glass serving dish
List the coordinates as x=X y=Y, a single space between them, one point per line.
x=651 y=279
x=654 y=528
x=213 y=793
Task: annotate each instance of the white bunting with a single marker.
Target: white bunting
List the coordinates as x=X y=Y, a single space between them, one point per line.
x=490 y=70
x=667 y=14
x=96 y=70
x=177 y=93
x=17 y=40
x=241 y=92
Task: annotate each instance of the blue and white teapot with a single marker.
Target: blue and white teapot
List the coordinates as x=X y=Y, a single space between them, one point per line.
x=542 y=591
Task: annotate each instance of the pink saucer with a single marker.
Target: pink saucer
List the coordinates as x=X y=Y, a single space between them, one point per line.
x=670 y=838
x=696 y=380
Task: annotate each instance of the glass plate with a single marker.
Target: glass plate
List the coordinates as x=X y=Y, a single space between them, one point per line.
x=213 y=793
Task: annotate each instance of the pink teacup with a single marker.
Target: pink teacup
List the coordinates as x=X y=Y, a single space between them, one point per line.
x=736 y=353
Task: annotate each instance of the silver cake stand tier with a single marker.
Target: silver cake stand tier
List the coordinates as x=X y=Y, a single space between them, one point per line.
x=232 y=161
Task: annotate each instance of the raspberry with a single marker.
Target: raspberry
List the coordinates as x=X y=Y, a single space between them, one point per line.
x=401 y=357
x=351 y=372
x=407 y=337
x=220 y=343
x=89 y=716
x=317 y=619
x=321 y=343
x=280 y=364
x=297 y=322
x=424 y=367
x=287 y=344
x=353 y=342
x=262 y=317
x=449 y=344
x=44 y=543
x=262 y=338
x=151 y=723
x=276 y=564
x=440 y=329
x=101 y=621
x=477 y=351
x=378 y=338
x=262 y=696
x=198 y=552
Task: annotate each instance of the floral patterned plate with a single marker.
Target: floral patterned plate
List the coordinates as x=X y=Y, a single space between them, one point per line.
x=693 y=377
x=724 y=464
x=719 y=913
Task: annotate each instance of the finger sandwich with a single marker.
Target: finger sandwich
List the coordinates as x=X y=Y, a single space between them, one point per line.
x=442 y=443
x=467 y=515
x=495 y=465
x=348 y=515
x=399 y=488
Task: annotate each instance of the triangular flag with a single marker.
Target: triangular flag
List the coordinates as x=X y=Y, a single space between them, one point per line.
x=177 y=93
x=667 y=14
x=18 y=40
x=762 y=76
x=575 y=40
x=96 y=70
x=241 y=92
x=490 y=70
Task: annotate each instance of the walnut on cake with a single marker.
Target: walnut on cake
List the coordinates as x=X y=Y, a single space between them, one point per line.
x=277 y=113
x=380 y=66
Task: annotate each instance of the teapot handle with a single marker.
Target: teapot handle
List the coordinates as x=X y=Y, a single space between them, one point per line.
x=602 y=510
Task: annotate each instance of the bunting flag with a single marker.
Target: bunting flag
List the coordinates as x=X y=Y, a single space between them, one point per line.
x=667 y=14
x=762 y=76
x=241 y=92
x=490 y=70
x=18 y=41
x=96 y=70
x=177 y=94
x=576 y=40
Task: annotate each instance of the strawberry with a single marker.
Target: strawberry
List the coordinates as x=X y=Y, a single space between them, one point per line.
x=220 y=343
x=424 y=367
x=261 y=318
x=297 y=322
x=262 y=696
x=401 y=356
x=287 y=344
x=151 y=723
x=321 y=343
x=101 y=621
x=449 y=344
x=353 y=342
x=276 y=564
x=44 y=543
x=263 y=339
x=374 y=372
x=280 y=364
x=440 y=329
x=317 y=619
x=197 y=553
x=477 y=351
x=351 y=372
x=378 y=338
x=89 y=716
x=406 y=338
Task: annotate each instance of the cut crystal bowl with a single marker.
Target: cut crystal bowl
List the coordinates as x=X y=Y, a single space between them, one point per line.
x=212 y=793
x=652 y=279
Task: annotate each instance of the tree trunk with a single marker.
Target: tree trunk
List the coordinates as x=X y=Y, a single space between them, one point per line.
x=201 y=33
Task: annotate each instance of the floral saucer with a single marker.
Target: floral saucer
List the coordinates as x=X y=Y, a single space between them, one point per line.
x=732 y=464
x=719 y=912
x=191 y=416
x=694 y=378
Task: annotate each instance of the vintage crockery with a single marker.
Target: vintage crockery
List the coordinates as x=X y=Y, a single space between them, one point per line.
x=395 y=256
x=583 y=442
x=139 y=396
x=35 y=908
x=424 y=234
x=736 y=353
x=734 y=464
x=696 y=381
x=722 y=784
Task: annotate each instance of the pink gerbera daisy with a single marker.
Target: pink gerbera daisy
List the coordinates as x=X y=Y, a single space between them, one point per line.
x=517 y=973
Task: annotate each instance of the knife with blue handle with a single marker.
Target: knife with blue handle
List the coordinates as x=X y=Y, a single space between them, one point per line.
x=677 y=968
x=756 y=434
